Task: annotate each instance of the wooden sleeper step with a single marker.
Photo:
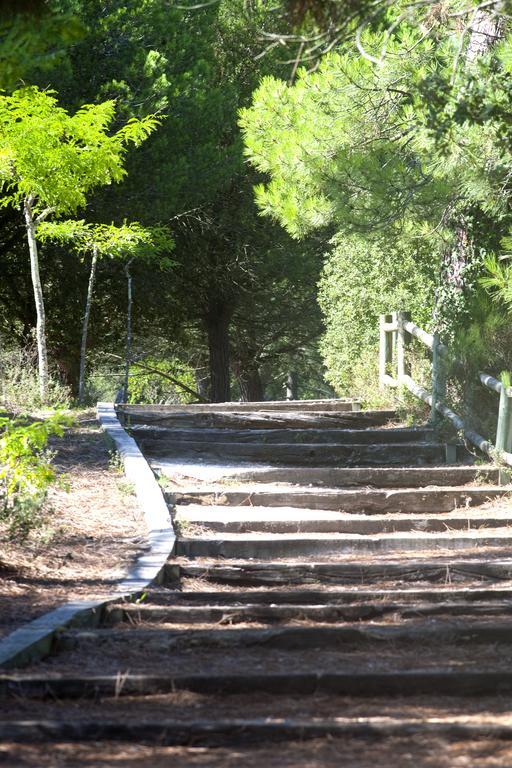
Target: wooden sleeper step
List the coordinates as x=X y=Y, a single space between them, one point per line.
x=284 y=406
x=268 y=573
x=162 y=597
x=443 y=681
x=230 y=614
x=291 y=520
x=329 y=613
x=265 y=419
x=376 y=477
x=270 y=546
x=244 y=731
x=400 y=454
x=171 y=436
x=345 y=638
x=407 y=501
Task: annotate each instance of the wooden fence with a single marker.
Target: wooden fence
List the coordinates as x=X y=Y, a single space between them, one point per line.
x=396 y=332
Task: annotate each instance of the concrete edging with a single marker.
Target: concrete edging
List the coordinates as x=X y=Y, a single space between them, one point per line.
x=34 y=640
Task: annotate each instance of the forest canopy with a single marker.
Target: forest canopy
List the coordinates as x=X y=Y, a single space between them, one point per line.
x=309 y=165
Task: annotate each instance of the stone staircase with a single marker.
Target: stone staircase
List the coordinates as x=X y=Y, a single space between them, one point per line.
x=336 y=585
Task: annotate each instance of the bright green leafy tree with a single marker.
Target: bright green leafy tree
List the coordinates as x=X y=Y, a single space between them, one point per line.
x=50 y=161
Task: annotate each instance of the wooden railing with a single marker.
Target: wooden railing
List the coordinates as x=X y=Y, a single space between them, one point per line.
x=396 y=332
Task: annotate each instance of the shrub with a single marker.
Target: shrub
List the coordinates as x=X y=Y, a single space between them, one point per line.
x=358 y=284
x=26 y=471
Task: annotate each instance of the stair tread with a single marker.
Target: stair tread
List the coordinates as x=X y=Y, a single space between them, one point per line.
x=296 y=489
x=502 y=532
x=198 y=512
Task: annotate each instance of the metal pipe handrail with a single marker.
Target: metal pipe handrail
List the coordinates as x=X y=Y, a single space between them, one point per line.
x=477 y=440
x=394 y=338
x=491 y=383
x=426 y=338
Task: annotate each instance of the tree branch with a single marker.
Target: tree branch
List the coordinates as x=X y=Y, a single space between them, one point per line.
x=167 y=376
x=44 y=215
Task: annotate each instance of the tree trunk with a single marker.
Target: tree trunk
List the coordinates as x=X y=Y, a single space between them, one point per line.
x=42 y=353
x=251 y=385
x=85 y=326
x=292 y=392
x=486 y=29
x=68 y=365
x=128 y=332
x=217 y=326
x=1 y=369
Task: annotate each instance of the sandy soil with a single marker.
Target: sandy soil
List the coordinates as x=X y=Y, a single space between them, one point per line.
x=411 y=752
x=91 y=534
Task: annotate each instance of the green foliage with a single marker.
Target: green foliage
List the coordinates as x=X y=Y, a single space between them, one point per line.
x=339 y=145
x=484 y=343
x=361 y=280
x=404 y=155
x=57 y=158
x=360 y=145
x=19 y=387
x=123 y=242
x=498 y=280
x=25 y=470
x=409 y=144
x=147 y=386
x=29 y=38
x=199 y=67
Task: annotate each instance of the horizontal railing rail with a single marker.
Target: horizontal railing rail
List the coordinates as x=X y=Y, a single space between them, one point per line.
x=396 y=332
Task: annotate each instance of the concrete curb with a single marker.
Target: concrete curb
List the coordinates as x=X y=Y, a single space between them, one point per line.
x=34 y=640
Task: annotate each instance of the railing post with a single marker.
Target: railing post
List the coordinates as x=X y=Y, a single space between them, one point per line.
x=504 y=430
x=403 y=340
x=382 y=350
x=386 y=349
x=438 y=379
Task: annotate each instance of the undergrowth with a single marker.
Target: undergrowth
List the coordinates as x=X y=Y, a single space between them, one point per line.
x=19 y=383
x=26 y=471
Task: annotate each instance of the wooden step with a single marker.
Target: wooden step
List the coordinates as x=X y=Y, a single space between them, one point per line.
x=271 y=546
x=346 y=637
x=265 y=419
x=169 y=436
x=369 y=501
x=329 y=612
x=246 y=731
x=190 y=518
x=285 y=406
x=330 y=477
x=323 y=595
x=400 y=454
x=264 y=572
x=443 y=681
